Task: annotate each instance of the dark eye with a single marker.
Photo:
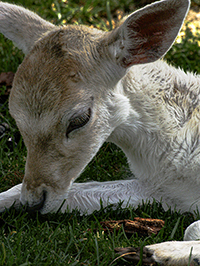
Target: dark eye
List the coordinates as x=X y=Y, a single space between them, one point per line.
x=78 y=121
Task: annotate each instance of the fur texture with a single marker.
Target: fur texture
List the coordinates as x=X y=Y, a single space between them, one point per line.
x=79 y=87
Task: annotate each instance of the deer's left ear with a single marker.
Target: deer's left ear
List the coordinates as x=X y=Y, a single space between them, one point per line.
x=147 y=34
x=22 y=26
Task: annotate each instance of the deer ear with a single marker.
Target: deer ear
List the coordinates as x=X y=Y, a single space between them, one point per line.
x=22 y=26
x=147 y=34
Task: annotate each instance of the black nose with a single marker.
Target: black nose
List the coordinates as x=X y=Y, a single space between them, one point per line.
x=38 y=206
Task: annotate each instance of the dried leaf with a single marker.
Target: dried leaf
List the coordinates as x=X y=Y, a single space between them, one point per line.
x=142 y=226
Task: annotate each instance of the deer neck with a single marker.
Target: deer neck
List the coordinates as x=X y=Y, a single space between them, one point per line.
x=159 y=106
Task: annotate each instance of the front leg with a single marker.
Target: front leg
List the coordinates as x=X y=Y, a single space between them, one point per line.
x=172 y=253
x=176 y=253
x=11 y=197
x=86 y=197
x=90 y=196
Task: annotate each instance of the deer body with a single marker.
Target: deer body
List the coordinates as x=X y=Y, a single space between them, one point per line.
x=160 y=136
x=79 y=87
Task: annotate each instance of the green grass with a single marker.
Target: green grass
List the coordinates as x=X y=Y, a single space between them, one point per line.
x=71 y=239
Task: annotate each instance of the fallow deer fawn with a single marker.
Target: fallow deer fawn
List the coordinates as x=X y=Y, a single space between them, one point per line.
x=79 y=87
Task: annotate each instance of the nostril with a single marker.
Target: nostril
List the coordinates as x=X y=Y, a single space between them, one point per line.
x=38 y=206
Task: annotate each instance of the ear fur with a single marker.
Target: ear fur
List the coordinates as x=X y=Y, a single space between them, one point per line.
x=147 y=34
x=22 y=26
x=144 y=37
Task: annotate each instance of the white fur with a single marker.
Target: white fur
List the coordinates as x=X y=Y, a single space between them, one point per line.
x=151 y=111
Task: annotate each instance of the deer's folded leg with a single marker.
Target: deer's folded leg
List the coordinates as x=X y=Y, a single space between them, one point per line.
x=90 y=196
x=176 y=253
x=10 y=198
x=86 y=197
x=172 y=253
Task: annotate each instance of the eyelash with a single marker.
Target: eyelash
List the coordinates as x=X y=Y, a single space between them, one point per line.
x=78 y=122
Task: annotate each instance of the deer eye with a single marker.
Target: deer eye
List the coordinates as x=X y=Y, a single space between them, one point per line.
x=78 y=121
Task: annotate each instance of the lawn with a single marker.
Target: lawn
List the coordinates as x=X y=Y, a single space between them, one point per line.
x=71 y=239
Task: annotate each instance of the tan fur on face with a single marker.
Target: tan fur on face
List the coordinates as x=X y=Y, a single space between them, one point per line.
x=43 y=95
x=70 y=72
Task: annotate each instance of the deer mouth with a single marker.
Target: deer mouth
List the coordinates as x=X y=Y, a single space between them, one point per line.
x=36 y=207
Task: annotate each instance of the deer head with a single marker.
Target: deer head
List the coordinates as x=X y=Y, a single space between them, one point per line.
x=67 y=96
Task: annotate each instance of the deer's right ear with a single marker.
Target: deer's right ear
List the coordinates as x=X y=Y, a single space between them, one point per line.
x=148 y=33
x=22 y=26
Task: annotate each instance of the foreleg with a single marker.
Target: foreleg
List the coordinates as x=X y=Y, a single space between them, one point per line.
x=87 y=197
x=11 y=197
x=172 y=253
